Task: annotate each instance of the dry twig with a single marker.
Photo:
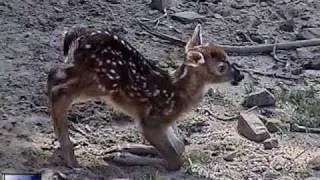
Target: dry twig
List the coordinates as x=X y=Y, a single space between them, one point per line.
x=274 y=52
x=271 y=75
x=230 y=118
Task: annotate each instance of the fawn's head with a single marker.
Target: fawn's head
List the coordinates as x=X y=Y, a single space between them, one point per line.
x=210 y=61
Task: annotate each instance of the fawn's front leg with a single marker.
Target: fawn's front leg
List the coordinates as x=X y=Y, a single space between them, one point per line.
x=164 y=141
x=167 y=143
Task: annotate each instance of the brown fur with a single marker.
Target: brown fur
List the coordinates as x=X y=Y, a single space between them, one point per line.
x=106 y=67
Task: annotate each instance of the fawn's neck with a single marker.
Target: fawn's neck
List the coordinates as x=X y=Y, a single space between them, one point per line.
x=189 y=87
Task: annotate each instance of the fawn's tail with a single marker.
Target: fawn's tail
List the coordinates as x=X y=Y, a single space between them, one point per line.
x=70 y=40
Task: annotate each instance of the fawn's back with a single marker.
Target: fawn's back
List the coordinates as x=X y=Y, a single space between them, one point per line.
x=121 y=74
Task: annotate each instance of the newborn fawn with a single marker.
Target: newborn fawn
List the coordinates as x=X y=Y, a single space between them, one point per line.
x=103 y=66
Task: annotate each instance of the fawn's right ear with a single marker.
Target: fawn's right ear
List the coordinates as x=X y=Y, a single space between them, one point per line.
x=196 y=38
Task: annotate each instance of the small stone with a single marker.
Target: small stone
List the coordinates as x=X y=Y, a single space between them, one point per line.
x=251 y=127
x=161 y=4
x=312 y=178
x=187 y=16
x=314 y=163
x=270 y=143
x=297 y=71
x=230 y=156
x=261 y=98
x=308 y=33
x=313 y=64
x=287 y=25
x=271 y=174
x=286 y=178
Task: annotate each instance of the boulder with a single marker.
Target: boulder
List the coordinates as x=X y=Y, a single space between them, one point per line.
x=251 y=127
x=261 y=98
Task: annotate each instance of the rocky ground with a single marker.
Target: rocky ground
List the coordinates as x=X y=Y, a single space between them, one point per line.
x=30 y=44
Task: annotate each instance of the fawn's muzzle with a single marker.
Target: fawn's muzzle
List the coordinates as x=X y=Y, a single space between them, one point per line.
x=237 y=76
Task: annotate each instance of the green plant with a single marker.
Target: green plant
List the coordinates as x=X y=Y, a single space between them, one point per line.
x=302 y=105
x=215 y=93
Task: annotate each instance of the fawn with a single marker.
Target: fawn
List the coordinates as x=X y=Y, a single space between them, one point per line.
x=103 y=66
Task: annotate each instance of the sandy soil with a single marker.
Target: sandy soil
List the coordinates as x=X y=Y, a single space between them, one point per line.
x=30 y=44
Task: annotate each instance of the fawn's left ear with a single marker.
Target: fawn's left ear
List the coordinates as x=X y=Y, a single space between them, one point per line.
x=194 y=59
x=196 y=38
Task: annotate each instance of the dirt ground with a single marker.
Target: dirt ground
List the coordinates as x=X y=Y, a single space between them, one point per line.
x=30 y=44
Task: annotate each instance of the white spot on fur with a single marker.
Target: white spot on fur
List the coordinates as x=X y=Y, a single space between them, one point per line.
x=120 y=62
x=117 y=77
x=93 y=33
x=122 y=42
x=143 y=99
x=93 y=56
x=102 y=88
x=98 y=31
x=100 y=63
x=114 y=63
x=115 y=85
x=108 y=61
x=110 y=76
x=87 y=46
x=156 y=92
x=112 y=71
x=115 y=37
x=107 y=32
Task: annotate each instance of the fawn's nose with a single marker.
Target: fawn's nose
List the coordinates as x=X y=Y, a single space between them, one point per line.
x=237 y=76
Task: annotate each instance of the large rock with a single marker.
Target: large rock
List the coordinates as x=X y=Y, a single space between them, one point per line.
x=261 y=98
x=187 y=16
x=251 y=127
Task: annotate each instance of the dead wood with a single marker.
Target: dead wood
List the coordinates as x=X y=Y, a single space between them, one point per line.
x=240 y=50
x=271 y=75
x=298 y=128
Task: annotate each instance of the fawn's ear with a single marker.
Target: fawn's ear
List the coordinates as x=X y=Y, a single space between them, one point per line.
x=194 y=58
x=196 y=38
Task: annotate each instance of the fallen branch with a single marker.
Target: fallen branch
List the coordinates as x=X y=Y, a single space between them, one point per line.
x=271 y=75
x=297 y=128
x=241 y=50
x=274 y=52
x=230 y=118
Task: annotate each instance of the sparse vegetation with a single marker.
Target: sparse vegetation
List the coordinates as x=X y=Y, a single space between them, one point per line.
x=155 y=176
x=302 y=106
x=215 y=93
x=250 y=88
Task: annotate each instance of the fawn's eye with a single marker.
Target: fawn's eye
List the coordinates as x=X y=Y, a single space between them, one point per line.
x=222 y=67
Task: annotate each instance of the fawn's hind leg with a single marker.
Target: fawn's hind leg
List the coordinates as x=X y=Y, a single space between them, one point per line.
x=60 y=98
x=65 y=86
